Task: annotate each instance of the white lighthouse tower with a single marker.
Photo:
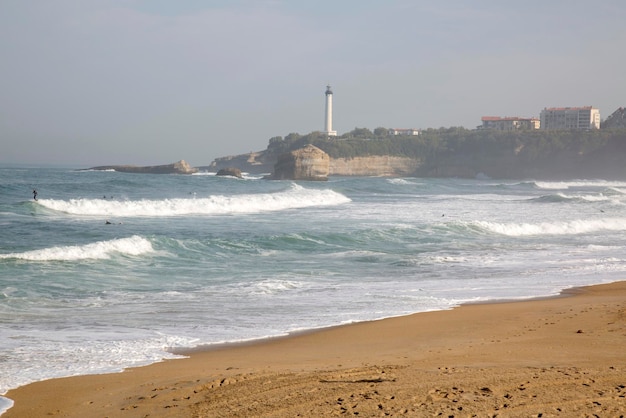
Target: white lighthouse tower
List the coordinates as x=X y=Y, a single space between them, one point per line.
x=328 y=122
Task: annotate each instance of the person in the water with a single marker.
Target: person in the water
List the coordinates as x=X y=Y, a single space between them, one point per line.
x=34 y=194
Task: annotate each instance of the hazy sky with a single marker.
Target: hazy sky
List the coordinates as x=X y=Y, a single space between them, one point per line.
x=154 y=81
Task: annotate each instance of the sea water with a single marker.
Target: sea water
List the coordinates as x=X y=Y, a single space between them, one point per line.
x=109 y=270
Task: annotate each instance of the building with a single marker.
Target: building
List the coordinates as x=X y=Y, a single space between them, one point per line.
x=328 y=122
x=570 y=118
x=617 y=120
x=509 y=123
x=395 y=131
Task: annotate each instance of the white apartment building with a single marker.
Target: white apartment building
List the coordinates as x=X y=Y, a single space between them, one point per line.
x=509 y=123
x=399 y=131
x=585 y=118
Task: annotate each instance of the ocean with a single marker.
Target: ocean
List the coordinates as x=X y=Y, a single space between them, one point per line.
x=109 y=270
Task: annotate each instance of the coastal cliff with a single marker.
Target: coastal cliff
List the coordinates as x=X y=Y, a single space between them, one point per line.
x=456 y=152
x=179 y=167
x=374 y=165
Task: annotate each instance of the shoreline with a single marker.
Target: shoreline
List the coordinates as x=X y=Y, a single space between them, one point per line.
x=484 y=342
x=188 y=351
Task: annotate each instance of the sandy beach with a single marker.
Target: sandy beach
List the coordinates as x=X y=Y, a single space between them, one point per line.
x=562 y=356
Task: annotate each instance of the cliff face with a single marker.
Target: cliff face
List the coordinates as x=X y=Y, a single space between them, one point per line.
x=374 y=165
x=606 y=163
x=308 y=163
x=180 y=167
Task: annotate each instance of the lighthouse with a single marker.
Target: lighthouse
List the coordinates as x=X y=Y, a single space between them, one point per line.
x=328 y=122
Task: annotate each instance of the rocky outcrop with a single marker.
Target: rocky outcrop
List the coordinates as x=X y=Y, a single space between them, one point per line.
x=254 y=162
x=374 y=165
x=230 y=171
x=308 y=163
x=180 y=167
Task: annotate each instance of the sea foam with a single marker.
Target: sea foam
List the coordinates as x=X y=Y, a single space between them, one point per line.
x=292 y=198
x=134 y=246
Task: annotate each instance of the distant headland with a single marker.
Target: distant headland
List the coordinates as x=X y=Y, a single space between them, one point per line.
x=179 y=167
x=453 y=152
x=443 y=152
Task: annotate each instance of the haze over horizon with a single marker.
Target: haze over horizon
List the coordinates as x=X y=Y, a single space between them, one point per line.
x=151 y=81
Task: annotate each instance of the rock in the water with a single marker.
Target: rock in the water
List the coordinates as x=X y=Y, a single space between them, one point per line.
x=308 y=163
x=230 y=171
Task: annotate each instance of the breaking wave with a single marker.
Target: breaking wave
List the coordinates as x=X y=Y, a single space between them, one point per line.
x=559 y=185
x=133 y=246
x=293 y=198
x=553 y=228
x=562 y=197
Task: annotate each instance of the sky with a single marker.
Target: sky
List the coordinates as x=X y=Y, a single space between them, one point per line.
x=150 y=82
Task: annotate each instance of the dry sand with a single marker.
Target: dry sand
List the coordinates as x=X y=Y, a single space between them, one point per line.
x=561 y=357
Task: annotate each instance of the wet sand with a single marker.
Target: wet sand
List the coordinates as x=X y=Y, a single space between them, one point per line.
x=563 y=356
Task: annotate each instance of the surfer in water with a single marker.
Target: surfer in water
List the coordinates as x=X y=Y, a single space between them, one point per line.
x=34 y=194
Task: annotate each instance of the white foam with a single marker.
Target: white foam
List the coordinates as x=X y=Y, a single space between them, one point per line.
x=591 y=197
x=272 y=286
x=554 y=228
x=448 y=259
x=134 y=246
x=244 y=175
x=400 y=181
x=204 y=173
x=293 y=198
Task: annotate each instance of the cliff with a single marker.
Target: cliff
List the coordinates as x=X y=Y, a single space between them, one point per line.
x=308 y=163
x=374 y=165
x=180 y=167
x=459 y=152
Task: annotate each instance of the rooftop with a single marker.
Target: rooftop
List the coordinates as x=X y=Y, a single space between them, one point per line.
x=506 y=118
x=570 y=108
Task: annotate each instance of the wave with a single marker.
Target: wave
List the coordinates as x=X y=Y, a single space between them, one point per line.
x=548 y=228
x=559 y=185
x=562 y=197
x=134 y=246
x=293 y=198
x=244 y=175
x=616 y=190
x=403 y=181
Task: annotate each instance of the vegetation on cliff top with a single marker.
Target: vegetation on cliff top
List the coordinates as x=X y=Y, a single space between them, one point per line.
x=463 y=152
